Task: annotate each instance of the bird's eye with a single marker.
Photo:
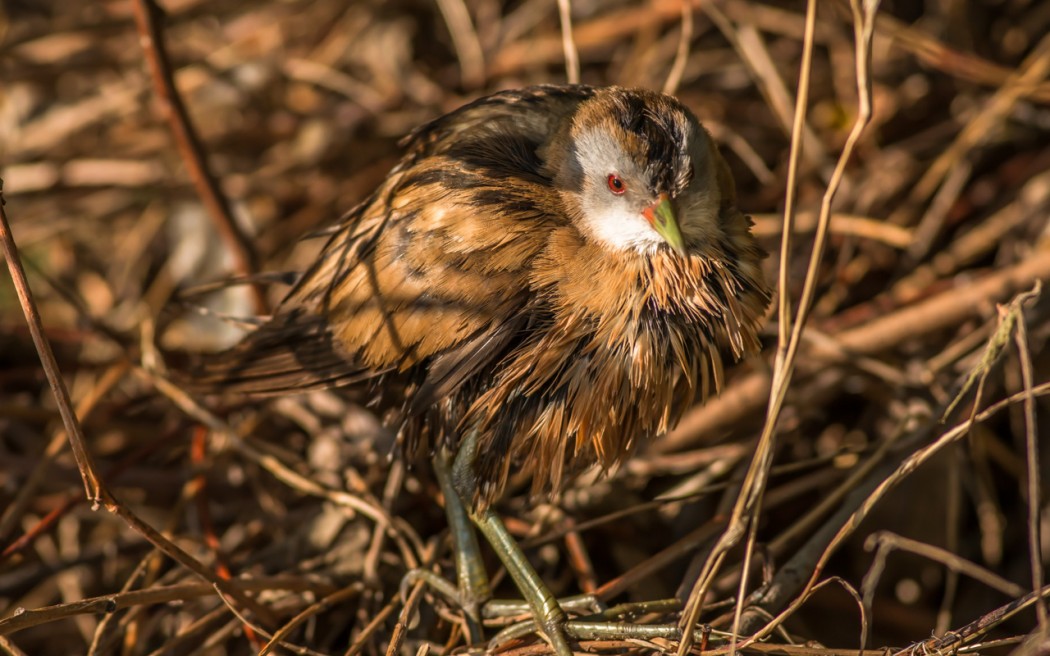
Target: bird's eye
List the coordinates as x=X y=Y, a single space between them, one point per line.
x=616 y=185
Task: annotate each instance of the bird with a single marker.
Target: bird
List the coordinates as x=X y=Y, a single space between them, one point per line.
x=548 y=278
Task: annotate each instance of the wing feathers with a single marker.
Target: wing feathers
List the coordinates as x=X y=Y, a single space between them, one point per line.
x=292 y=353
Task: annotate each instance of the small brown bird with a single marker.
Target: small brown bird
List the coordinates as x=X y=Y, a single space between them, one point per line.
x=551 y=275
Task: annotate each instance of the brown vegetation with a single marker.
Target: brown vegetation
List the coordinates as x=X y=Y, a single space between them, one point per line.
x=904 y=461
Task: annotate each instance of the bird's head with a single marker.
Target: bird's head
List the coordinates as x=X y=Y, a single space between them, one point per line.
x=639 y=173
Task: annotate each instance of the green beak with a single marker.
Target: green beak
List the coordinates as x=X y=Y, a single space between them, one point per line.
x=661 y=216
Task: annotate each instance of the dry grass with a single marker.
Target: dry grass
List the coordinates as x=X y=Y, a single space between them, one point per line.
x=874 y=479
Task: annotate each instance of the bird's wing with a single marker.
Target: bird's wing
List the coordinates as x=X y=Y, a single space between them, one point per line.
x=293 y=352
x=428 y=278
x=535 y=111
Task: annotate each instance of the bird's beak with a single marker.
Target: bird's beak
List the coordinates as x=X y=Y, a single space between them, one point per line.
x=661 y=216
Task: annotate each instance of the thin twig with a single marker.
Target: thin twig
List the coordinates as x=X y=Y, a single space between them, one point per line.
x=955 y=639
x=198 y=487
x=783 y=368
x=572 y=57
x=25 y=619
x=260 y=630
x=9 y=648
x=954 y=562
x=96 y=490
x=148 y=18
x=465 y=41
x=93 y=486
x=681 y=57
x=1034 y=488
x=753 y=484
x=868 y=501
x=29 y=486
x=980 y=128
x=316 y=608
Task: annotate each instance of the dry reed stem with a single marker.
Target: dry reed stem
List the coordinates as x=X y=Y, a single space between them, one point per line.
x=753 y=486
x=886 y=541
x=1034 y=489
x=681 y=56
x=92 y=485
x=572 y=57
x=465 y=39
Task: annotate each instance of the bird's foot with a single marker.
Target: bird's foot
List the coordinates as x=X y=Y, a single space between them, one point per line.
x=475 y=609
x=553 y=626
x=466 y=598
x=552 y=621
x=495 y=609
x=605 y=624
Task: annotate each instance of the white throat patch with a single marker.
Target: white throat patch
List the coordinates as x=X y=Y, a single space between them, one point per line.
x=621 y=228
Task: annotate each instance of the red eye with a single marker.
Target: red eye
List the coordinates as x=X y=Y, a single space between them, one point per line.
x=616 y=185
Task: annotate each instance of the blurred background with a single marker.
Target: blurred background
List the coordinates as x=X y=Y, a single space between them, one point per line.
x=941 y=215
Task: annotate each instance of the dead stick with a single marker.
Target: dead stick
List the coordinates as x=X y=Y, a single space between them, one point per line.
x=949 y=308
x=148 y=19
x=93 y=484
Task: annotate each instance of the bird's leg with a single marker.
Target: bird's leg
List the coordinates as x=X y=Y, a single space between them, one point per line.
x=549 y=615
x=545 y=608
x=471 y=578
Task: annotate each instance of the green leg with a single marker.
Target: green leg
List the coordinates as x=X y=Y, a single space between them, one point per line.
x=549 y=615
x=545 y=608
x=471 y=578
